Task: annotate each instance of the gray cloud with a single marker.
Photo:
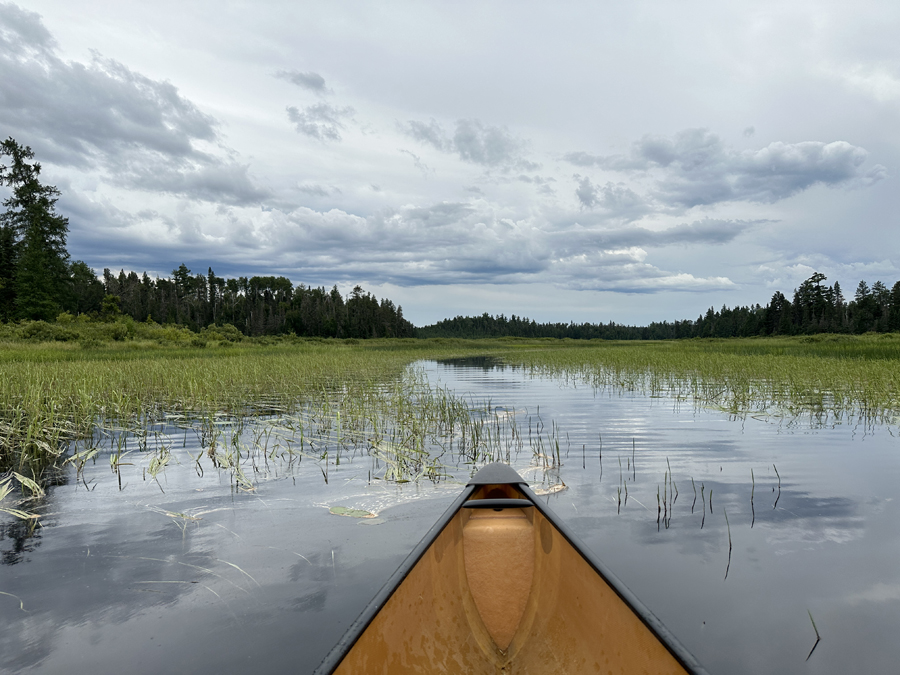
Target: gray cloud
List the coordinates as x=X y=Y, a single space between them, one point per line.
x=21 y=30
x=439 y=214
x=617 y=201
x=582 y=159
x=707 y=231
x=540 y=182
x=446 y=242
x=321 y=121
x=417 y=161
x=311 y=81
x=696 y=168
x=468 y=243
x=218 y=182
x=316 y=190
x=104 y=115
x=431 y=134
x=473 y=141
x=84 y=114
x=482 y=144
x=586 y=192
x=623 y=202
x=572 y=240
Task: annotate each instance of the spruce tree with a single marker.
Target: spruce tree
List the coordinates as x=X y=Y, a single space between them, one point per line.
x=7 y=271
x=40 y=271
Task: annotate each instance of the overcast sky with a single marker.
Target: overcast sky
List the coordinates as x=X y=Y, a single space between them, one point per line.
x=586 y=161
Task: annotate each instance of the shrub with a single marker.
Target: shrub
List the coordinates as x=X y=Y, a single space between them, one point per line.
x=230 y=333
x=41 y=331
x=117 y=331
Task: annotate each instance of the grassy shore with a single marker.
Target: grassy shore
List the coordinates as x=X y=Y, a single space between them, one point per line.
x=55 y=391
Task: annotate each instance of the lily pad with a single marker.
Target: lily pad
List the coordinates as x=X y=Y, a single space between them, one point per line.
x=351 y=513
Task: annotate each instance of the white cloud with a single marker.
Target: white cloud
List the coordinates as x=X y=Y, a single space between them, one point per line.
x=881 y=81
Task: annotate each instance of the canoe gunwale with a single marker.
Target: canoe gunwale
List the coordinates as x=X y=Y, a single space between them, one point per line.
x=665 y=636
x=357 y=628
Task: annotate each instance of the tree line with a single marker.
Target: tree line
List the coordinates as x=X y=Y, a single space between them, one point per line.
x=259 y=305
x=815 y=308
x=38 y=281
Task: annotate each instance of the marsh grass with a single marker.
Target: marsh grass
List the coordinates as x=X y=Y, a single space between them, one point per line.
x=260 y=408
x=822 y=379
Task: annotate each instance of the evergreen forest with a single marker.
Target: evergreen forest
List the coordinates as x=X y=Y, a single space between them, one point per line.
x=814 y=308
x=39 y=282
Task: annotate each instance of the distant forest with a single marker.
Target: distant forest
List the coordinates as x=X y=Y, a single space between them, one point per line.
x=815 y=308
x=38 y=281
x=255 y=305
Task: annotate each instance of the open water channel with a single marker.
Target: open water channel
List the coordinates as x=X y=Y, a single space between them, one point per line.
x=189 y=574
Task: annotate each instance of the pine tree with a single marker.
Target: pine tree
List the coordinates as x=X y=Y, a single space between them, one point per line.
x=8 y=256
x=40 y=277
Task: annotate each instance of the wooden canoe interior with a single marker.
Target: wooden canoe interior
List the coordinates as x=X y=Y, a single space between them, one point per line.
x=571 y=621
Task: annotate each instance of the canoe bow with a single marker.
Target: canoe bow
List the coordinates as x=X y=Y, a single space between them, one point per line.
x=500 y=584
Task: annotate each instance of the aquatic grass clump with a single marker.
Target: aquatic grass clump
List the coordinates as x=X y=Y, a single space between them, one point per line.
x=10 y=505
x=51 y=396
x=824 y=381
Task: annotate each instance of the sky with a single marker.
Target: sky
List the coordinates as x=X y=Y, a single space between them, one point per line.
x=567 y=161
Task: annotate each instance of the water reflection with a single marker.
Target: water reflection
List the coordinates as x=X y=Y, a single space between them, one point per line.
x=176 y=569
x=474 y=362
x=18 y=537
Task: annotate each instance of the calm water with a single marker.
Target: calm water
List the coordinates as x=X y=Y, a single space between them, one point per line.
x=205 y=578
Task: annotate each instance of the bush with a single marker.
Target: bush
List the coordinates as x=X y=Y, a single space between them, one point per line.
x=41 y=331
x=230 y=333
x=173 y=335
x=117 y=332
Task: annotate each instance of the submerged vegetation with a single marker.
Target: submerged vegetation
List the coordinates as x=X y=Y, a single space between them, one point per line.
x=54 y=393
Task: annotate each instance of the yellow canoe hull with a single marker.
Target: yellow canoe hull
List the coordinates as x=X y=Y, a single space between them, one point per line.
x=505 y=591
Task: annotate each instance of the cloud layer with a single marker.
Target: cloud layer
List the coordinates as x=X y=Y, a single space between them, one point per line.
x=443 y=162
x=696 y=168
x=103 y=115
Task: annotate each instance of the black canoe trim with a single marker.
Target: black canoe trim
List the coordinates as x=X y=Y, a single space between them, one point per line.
x=682 y=655
x=358 y=627
x=497 y=474
x=498 y=504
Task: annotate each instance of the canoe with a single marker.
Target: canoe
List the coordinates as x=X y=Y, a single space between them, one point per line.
x=500 y=585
